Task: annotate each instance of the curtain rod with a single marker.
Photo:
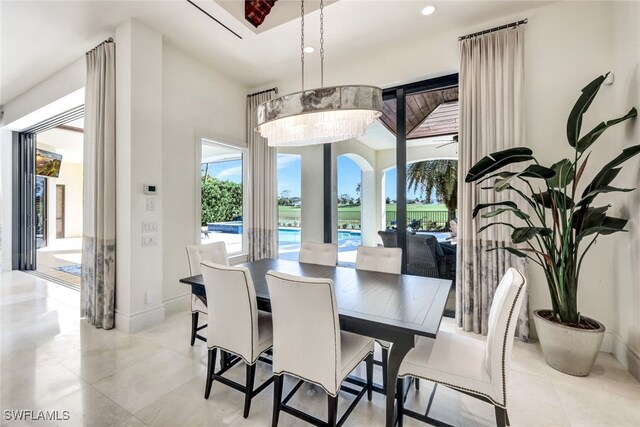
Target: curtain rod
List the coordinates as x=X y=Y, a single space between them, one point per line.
x=501 y=27
x=109 y=40
x=275 y=89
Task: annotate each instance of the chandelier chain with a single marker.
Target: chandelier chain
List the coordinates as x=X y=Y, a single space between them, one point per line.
x=302 y=39
x=321 y=43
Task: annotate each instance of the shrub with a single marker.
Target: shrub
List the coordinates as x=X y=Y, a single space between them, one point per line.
x=221 y=200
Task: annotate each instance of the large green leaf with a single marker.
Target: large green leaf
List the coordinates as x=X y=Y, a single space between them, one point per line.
x=532 y=171
x=604 y=189
x=522 y=234
x=610 y=225
x=510 y=250
x=591 y=217
x=564 y=173
x=609 y=172
x=574 y=123
x=481 y=206
x=586 y=141
x=495 y=161
x=516 y=212
x=493 y=224
x=546 y=199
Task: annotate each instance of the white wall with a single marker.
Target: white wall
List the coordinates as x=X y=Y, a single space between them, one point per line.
x=71 y=178
x=625 y=274
x=198 y=102
x=139 y=302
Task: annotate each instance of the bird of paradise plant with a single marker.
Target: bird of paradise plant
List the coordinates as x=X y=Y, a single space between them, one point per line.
x=564 y=223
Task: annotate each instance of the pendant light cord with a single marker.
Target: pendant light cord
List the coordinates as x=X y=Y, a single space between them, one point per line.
x=302 y=39
x=321 y=43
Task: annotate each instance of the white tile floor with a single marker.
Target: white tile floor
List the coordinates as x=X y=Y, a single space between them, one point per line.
x=51 y=360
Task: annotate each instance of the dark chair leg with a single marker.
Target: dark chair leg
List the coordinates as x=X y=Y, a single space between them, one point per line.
x=248 y=393
x=277 y=397
x=501 y=416
x=385 y=359
x=506 y=414
x=224 y=359
x=369 y=362
x=211 y=366
x=333 y=410
x=400 y=399
x=194 y=326
x=417 y=383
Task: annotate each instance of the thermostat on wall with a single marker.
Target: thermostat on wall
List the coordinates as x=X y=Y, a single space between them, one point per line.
x=150 y=189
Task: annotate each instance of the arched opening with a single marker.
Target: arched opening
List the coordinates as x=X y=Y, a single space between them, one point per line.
x=289 y=205
x=355 y=206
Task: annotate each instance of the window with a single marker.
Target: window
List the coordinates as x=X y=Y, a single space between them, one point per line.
x=222 y=175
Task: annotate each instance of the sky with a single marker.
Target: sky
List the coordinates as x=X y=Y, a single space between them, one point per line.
x=289 y=176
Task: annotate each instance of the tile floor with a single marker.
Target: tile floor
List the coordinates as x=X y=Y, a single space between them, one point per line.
x=51 y=360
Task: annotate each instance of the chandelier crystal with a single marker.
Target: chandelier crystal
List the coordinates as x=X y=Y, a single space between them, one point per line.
x=318 y=116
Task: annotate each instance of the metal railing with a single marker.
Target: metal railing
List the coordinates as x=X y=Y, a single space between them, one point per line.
x=427 y=220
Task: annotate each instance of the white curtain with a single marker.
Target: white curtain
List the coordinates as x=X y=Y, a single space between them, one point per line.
x=98 y=280
x=491 y=119
x=262 y=224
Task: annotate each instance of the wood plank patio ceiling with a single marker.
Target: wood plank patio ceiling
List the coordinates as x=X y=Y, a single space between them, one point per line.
x=432 y=113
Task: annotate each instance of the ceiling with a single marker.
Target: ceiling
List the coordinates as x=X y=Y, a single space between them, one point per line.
x=66 y=142
x=73 y=27
x=430 y=113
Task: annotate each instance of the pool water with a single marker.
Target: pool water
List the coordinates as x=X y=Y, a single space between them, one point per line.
x=292 y=235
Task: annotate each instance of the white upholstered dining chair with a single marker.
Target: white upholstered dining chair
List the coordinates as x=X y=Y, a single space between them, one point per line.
x=474 y=367
x=319 y=253
x=309 y=345
x=215 y=252
x=384 y=260
x=236 y=326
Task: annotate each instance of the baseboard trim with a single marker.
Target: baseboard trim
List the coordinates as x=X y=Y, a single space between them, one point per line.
x=626 y=356
x=179 y=303
x=136 y=322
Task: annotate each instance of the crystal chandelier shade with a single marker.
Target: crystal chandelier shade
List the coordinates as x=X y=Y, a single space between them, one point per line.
x=318 y=116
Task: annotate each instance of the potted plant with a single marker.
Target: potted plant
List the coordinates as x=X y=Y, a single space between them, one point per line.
x=562 y=223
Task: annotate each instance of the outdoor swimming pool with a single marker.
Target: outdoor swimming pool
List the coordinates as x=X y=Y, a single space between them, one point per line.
x=292 y=235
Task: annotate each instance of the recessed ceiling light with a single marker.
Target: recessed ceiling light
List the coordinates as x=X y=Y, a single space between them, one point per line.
x=309 y=49
x=428 y=10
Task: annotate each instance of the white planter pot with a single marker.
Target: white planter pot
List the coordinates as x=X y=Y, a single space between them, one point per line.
x=569 y=350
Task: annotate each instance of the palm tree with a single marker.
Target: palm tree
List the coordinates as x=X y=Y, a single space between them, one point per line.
x=441 y=175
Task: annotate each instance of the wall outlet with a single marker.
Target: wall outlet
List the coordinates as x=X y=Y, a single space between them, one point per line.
x=151 y=297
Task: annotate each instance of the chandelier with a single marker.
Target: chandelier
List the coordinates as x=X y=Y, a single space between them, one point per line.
x=322 y=115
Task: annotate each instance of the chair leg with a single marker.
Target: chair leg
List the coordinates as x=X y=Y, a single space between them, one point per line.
x=248 y=393
x=506 y=414
x=417 y=384
x=400 y=399
x=333 y=410
x=211 y=366
x=224 y=359
x=277 y=397
x=194 y=327
x=369 y=363
x=385 y=360
x=501 y=416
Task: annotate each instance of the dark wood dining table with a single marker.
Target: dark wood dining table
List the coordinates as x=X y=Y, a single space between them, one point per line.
x=391 y=307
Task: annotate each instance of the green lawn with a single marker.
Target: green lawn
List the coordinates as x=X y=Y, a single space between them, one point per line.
x=410 y=208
